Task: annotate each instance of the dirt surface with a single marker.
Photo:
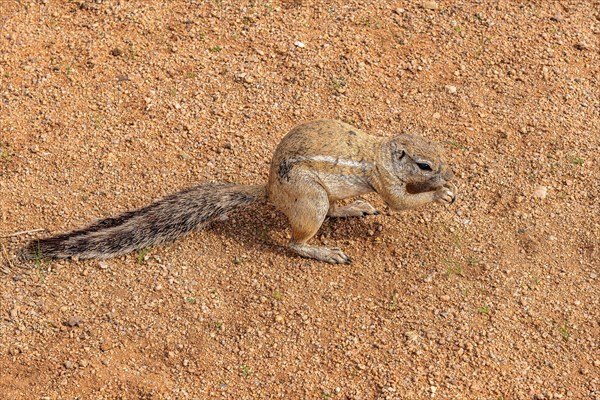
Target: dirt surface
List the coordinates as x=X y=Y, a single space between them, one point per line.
x=106 y=105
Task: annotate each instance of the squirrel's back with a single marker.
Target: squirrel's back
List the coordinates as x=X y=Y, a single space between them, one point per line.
x=325 y=137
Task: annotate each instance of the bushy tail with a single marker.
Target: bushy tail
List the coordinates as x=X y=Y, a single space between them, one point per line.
x=162 y=221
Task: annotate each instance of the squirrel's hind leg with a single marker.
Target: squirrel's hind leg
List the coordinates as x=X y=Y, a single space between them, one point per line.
x=306 y=221
x=306 y=206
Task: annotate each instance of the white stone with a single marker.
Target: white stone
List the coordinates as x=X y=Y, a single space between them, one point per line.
x=540 y=192
x=451 y=89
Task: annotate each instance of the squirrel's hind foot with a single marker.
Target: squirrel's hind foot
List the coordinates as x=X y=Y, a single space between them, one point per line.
x=332 y=255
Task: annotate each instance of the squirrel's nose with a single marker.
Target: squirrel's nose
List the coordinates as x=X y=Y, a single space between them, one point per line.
x=447 y=173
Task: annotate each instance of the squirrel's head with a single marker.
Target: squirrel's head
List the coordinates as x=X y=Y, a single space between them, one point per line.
x=418 y=163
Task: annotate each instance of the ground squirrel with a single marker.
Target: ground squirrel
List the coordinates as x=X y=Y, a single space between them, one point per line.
x=315 y=165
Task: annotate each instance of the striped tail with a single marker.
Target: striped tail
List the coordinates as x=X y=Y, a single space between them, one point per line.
x=162 y=221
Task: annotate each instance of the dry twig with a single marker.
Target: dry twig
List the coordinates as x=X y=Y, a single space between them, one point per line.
x=21 y=233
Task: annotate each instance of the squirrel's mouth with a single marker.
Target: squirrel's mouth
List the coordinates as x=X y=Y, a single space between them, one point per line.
x=426 y=186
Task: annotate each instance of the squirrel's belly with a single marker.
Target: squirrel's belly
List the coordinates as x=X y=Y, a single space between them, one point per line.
x=341 y=186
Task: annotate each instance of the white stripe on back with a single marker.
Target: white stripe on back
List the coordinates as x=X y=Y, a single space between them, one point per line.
x=337 y=161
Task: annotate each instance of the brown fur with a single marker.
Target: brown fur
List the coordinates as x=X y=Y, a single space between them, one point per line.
x=315 y=165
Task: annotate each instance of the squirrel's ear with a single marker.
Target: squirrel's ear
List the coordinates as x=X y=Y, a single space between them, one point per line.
x=398 y=153
x=397 y=150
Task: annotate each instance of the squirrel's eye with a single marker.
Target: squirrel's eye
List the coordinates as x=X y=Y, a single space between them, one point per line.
x=424 y=166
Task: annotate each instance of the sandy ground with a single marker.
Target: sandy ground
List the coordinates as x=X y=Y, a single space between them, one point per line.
x=106 y=105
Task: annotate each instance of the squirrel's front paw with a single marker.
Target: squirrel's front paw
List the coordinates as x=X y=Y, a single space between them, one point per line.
x=444 y=195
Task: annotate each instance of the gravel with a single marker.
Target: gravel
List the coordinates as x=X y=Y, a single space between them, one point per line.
x=106 y=106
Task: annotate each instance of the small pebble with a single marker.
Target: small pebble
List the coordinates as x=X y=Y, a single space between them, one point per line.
x=557 y=17
x=299 y=44
x=73 y=321
x=540 y=192
x=105 y=346
x=69 y=365
x=412 y=336
x=430 y=5
x=451 y=89
x=116 y=52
